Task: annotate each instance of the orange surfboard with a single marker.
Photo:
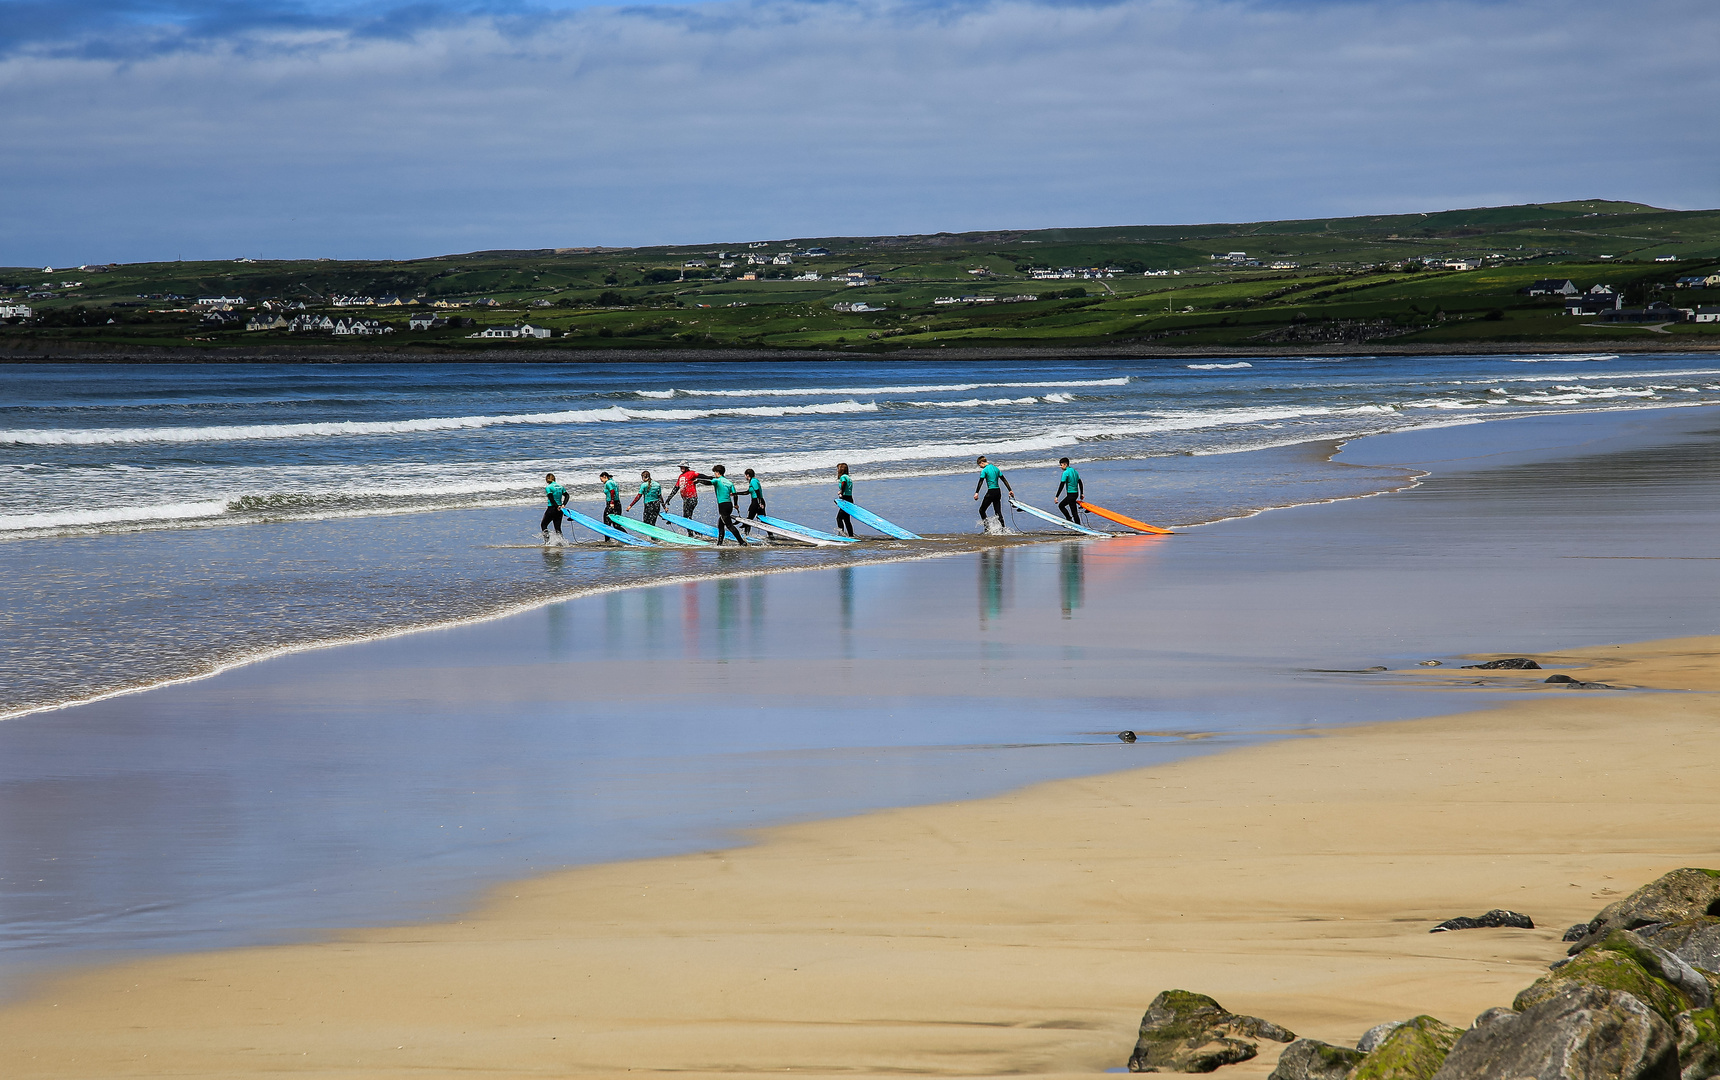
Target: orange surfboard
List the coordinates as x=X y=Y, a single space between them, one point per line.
x=1111 y=515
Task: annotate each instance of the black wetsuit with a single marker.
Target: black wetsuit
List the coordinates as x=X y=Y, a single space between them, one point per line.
x=755 y=501
x=726 y=510
x=1072 y=487
x=992 y=480
x=552 y=512
x=845 y=492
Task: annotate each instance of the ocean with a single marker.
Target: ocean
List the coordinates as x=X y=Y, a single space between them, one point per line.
x=160 y=522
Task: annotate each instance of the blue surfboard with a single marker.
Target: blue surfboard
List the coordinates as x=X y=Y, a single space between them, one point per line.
x=868 y=517
x=689 y=524
x=652 y=532
x=1055 y=519
x=604 y=530
x=807 y=530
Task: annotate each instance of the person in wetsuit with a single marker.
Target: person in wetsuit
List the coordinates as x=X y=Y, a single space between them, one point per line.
x=611 y=497
x=1071 y=490
x=989 y=479
x=755 y=499
x=652 y=493
x=845 y=492
x=557 y=496
x=725 y=490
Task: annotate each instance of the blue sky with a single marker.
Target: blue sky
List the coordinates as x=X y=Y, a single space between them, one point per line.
x=141 y=130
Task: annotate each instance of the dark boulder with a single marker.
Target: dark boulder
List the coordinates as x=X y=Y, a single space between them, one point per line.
x=1582 y=1032
x=1414 y=1050
x=1496 y=917
x=1682 y=894
x=1311 y=1059
x=1188 y=1032
x=1695 y=941
x=1625 y=962
x=1577 y=932
x=1515 y=663
x=1577 y=684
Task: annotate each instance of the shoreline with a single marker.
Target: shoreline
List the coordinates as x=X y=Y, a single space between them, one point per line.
x=87 y=354
x=1025 y=932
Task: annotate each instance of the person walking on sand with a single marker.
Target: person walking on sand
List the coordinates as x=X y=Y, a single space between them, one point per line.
x=687 y=486
x=725 y=489
x=845 y=492
x=989 y=479
x=611 y=497
x=652 y=493
x=557 y=496
x=755 y=499
x=1071 y=490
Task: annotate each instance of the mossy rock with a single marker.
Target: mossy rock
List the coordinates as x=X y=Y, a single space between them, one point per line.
x=1622 y=961
x=1413 y=1051
x=1311 y=1059
x=1688 y=893
x=1187 y=1032
x=1698 y=1044
x=1695 y=941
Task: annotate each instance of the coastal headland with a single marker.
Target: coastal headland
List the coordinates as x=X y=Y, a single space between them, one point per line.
x=1023 y=933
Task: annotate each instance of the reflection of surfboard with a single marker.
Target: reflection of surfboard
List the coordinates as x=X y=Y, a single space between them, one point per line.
x=869 y=518
x=655 y=533
x=604 y=530
x=797 y=533
x=1112 y=515
x=1057 y=519
x=807 y=530
x=689 y=524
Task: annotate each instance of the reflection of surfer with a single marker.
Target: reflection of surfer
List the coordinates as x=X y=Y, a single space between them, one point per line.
x=845 y=492
x=557 y=496
x=990 y=476
x=652 y=493
x=1071 y=489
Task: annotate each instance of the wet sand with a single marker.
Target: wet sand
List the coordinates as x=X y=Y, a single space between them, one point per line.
x=1021 y=933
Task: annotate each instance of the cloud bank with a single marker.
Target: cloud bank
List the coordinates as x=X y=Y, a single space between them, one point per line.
x=139 y=130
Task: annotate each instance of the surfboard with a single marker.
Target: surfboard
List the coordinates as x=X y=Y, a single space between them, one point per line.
x=601 y=529
x=791 y=534
x=1057 y=519
x=654 y=533
x=689 y=524
x=869 y=518
x=807 y=530
x=1112 y=515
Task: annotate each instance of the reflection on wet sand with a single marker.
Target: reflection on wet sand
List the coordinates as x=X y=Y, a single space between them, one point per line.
x=1074 y=587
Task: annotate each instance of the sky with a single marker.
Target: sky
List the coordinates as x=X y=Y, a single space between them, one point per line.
x=136 y=130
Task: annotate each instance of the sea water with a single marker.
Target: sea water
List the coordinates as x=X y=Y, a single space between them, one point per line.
x=161 y=521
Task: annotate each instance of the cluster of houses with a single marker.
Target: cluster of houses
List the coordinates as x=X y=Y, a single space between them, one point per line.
x=1071 y=274
x=1608 y=303
x=523 y=330
x=855 y=306
x=1023 y=299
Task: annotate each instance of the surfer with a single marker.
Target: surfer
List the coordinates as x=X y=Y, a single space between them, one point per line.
x=755 y=499
x=845 y=492
x=989 y=479
x=557 y=496
x=725 y=489
x=687 y=486
x=611 y=497
x=1072 y=490
x=652 y=493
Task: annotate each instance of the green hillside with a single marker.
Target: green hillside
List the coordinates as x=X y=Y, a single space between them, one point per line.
x=1358 y=280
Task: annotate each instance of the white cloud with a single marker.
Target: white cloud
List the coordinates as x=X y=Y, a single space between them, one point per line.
x=730 y=121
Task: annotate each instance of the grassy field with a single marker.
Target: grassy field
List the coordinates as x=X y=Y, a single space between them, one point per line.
x=1356 y=281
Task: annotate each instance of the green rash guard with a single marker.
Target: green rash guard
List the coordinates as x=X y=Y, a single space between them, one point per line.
x=652 y=492
x=1071 y=481
x=724 y=488
x=845 y=487
x=990 y=475
x=755 y=490
x=611 y=491
x=556 y=494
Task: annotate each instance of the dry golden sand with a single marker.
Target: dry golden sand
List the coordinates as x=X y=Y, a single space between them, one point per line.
x=1024 y=933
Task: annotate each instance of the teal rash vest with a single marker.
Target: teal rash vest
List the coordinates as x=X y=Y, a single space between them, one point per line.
x=556 y=494
x=725 y=489
x=652 y=492
x=845 y=487
x=991 y=473
x=1071 y=481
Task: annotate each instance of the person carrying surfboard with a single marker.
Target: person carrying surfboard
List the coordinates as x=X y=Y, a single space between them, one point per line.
x=755 y=499
x=990 y=476
x=1071 y=490
x=687 y=486
x=557 y=496
x=845 y=492
x=652 y=493
x=725 y=489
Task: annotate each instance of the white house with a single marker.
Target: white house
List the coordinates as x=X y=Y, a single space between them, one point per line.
x=220 y=301
x=311 y=324
x=16 y=311
x=426 y=320
x=524 y=330
x=785 y=259
x=267 y=320
x=1707 y=314
x=810 y=275
x=361 y=327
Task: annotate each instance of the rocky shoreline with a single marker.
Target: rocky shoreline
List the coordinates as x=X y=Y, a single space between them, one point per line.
x=1634 y=999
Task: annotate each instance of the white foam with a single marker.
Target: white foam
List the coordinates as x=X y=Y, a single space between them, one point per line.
x=828 y=391
x=107 y=515
x=1562 y=359
x=1218 y=367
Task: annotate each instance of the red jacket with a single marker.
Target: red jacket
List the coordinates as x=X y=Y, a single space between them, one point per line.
x=687 y=485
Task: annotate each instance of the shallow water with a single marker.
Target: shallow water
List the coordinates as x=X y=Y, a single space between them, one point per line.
x=392 y=780
x=158 y=522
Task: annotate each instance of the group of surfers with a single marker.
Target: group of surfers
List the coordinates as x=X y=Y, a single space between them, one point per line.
x=992 y=484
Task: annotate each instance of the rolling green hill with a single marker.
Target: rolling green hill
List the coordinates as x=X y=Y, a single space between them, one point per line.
x=1361 y=281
